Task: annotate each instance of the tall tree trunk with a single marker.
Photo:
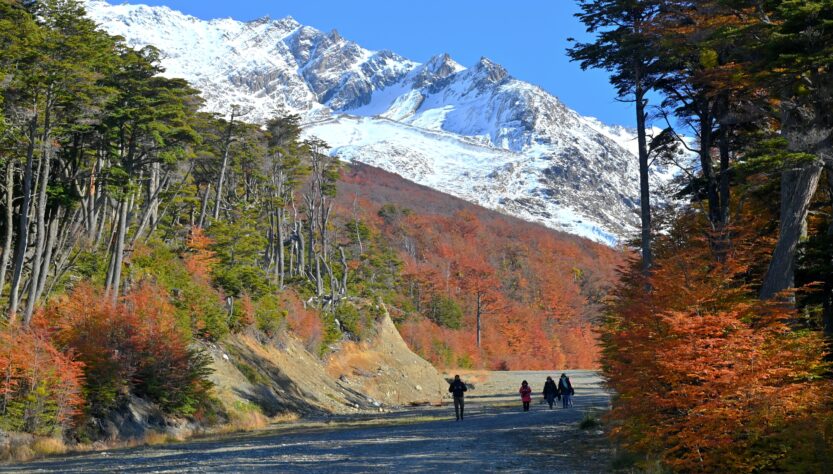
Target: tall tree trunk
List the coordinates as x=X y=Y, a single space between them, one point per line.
x=48 y=255
x=8 y=223
x=222 y=177
x=299 y=234
x=725 y=189
x=40 y=224
x=806 y=131
x=644 y=184
x=281 y=255
x=118 y=251
x=204 y=205
x=707 y=163
x=721 y=244
x=91 y=209
x=150 y=214
x=23 y=221
x=798 y=184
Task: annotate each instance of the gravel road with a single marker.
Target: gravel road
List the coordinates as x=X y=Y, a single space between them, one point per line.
x=495 y=436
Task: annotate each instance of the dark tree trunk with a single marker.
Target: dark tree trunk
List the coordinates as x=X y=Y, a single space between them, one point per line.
x=806 y=131
x=23 y=221
x=721 y=237
x=644 y=185
x=798 y=184
x=707 y=163
x=725 y=189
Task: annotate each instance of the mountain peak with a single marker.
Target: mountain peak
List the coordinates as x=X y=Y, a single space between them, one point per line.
x=286 y=23
x=442 y=65
x=334 y=35
x=493 y=71
x=289 y=20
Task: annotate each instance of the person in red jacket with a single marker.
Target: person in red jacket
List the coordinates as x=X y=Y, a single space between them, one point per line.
x=526 y=394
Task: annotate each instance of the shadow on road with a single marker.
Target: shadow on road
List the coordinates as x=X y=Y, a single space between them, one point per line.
x=493 y=436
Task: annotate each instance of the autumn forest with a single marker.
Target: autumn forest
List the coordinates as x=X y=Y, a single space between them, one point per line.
x=137 y=229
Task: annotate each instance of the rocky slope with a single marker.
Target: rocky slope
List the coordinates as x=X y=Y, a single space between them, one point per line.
x=257 y=379
x=476 y=133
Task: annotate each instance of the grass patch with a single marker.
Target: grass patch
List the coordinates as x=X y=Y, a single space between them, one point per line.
x=49 y=446
x=589 y=421
x=252 y=374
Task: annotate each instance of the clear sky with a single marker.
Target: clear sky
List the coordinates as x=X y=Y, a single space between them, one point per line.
x=528 y=37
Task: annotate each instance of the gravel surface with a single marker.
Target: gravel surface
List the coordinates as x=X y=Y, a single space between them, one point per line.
x=495 y=436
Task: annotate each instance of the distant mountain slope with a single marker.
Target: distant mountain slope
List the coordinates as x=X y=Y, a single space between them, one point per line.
x=551 y=282
x=476 y=133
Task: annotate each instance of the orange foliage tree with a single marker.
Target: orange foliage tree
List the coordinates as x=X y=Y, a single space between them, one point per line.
x=133 y=346
x=707 y=377
x=40 y=387
x=199 y=257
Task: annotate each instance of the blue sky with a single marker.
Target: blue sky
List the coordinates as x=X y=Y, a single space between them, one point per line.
x=528 y=37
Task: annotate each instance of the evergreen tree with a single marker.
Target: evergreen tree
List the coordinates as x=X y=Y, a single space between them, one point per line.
x=625 y=46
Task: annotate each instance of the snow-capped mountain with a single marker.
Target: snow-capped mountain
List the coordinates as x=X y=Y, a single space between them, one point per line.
x=476 y=132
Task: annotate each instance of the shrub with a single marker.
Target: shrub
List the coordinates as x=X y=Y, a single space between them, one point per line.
x=40 y=386
x=269 y=316
x=133 y=346
x=351 y=319
x=589 y=421
x=330 y=332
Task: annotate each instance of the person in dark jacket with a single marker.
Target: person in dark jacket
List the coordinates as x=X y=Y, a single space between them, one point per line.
x=550 y=391
x=526 y=394
x=457 y=388
x=567 y=392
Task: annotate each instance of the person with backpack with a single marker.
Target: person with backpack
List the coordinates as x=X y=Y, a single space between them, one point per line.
x=550 y=391
x=526 y=394
x=566 y=389
x=457 y=388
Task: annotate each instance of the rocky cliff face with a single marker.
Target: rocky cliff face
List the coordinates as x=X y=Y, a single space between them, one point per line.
x=477 y=133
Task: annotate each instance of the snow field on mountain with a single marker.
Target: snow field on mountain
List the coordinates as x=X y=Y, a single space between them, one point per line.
x=476 y=133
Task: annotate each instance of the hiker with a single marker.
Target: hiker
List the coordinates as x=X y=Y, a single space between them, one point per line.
x=526 y=394
x=566 y=389
x=457 y=388
x=550 y=391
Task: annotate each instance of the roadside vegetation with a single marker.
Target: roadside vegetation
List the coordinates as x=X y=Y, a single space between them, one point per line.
x=717 y=340
x=136 y=231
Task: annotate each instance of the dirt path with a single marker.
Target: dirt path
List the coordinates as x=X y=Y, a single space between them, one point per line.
x=495 y=436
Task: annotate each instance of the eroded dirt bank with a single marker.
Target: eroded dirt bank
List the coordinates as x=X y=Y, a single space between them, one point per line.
x=495 y=436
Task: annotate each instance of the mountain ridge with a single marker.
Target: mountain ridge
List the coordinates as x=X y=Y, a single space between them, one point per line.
x=477 y=133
